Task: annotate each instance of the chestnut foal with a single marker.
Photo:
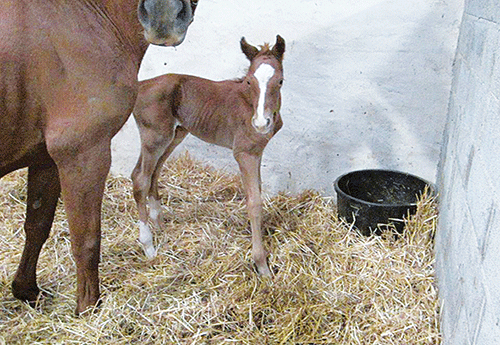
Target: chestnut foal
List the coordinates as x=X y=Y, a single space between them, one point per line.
x=242 y=115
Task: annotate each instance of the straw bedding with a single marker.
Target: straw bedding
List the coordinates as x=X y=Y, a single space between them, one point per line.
x=331 y=285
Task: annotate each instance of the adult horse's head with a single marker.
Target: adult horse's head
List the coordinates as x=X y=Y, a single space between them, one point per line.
x=266 y=73
x=166 y=22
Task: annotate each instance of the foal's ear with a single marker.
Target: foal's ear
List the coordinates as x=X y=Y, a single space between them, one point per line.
x=279 y=48
x=249 y=50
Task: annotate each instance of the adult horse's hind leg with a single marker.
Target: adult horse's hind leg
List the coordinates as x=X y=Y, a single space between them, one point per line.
x=154 y=197
x=250 y=172
x=43 y=193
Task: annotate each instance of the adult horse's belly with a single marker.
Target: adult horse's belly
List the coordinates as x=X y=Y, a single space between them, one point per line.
x=20 y=117
x=21 y=122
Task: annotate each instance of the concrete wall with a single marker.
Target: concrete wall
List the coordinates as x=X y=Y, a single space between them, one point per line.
x=468 y=238
x=366 y=84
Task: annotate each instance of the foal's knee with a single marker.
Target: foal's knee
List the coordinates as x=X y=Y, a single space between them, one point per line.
x=254 y=207
x=140 y=186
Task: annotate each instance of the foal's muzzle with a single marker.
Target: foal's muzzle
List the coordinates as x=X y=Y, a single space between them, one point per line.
x=262 y=125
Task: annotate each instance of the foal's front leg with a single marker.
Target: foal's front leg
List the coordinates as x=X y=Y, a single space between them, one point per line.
x=250 y=172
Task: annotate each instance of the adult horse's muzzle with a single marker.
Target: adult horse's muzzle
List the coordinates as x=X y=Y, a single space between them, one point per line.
x=165 y=22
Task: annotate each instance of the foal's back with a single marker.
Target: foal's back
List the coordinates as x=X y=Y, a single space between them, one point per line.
x=214 y=111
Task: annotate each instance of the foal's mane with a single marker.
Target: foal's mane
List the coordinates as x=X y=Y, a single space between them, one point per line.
x=265 y=50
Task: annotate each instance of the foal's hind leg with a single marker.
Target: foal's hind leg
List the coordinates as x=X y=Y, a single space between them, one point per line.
x=43 y=193
x=250 y=172
x=141 y=177
x=154 y=197
x=154 y=143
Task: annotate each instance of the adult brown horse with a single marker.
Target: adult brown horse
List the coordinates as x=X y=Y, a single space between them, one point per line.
x=68 y=82
x=242 y=115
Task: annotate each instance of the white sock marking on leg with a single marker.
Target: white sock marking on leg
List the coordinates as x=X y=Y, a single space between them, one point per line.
x=146 y=239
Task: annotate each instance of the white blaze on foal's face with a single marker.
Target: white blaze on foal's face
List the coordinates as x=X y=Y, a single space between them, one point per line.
x=263 y=74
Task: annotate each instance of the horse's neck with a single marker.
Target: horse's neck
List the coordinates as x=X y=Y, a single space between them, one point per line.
x=210 y=110
x=123 y=15
x=226 y=91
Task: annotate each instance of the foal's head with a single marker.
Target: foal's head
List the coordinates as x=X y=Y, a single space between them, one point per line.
x=266 y=76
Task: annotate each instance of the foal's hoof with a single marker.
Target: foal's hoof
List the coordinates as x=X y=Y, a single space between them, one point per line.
x=150 y=252
x=264 y=270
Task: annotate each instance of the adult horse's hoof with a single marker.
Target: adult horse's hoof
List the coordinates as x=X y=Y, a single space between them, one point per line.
x=29 y=294
x=82 y=310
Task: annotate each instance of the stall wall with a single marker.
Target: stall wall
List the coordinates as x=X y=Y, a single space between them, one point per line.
x=467 y=245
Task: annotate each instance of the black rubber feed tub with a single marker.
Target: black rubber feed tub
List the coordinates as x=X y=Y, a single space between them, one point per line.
x=373 y=199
